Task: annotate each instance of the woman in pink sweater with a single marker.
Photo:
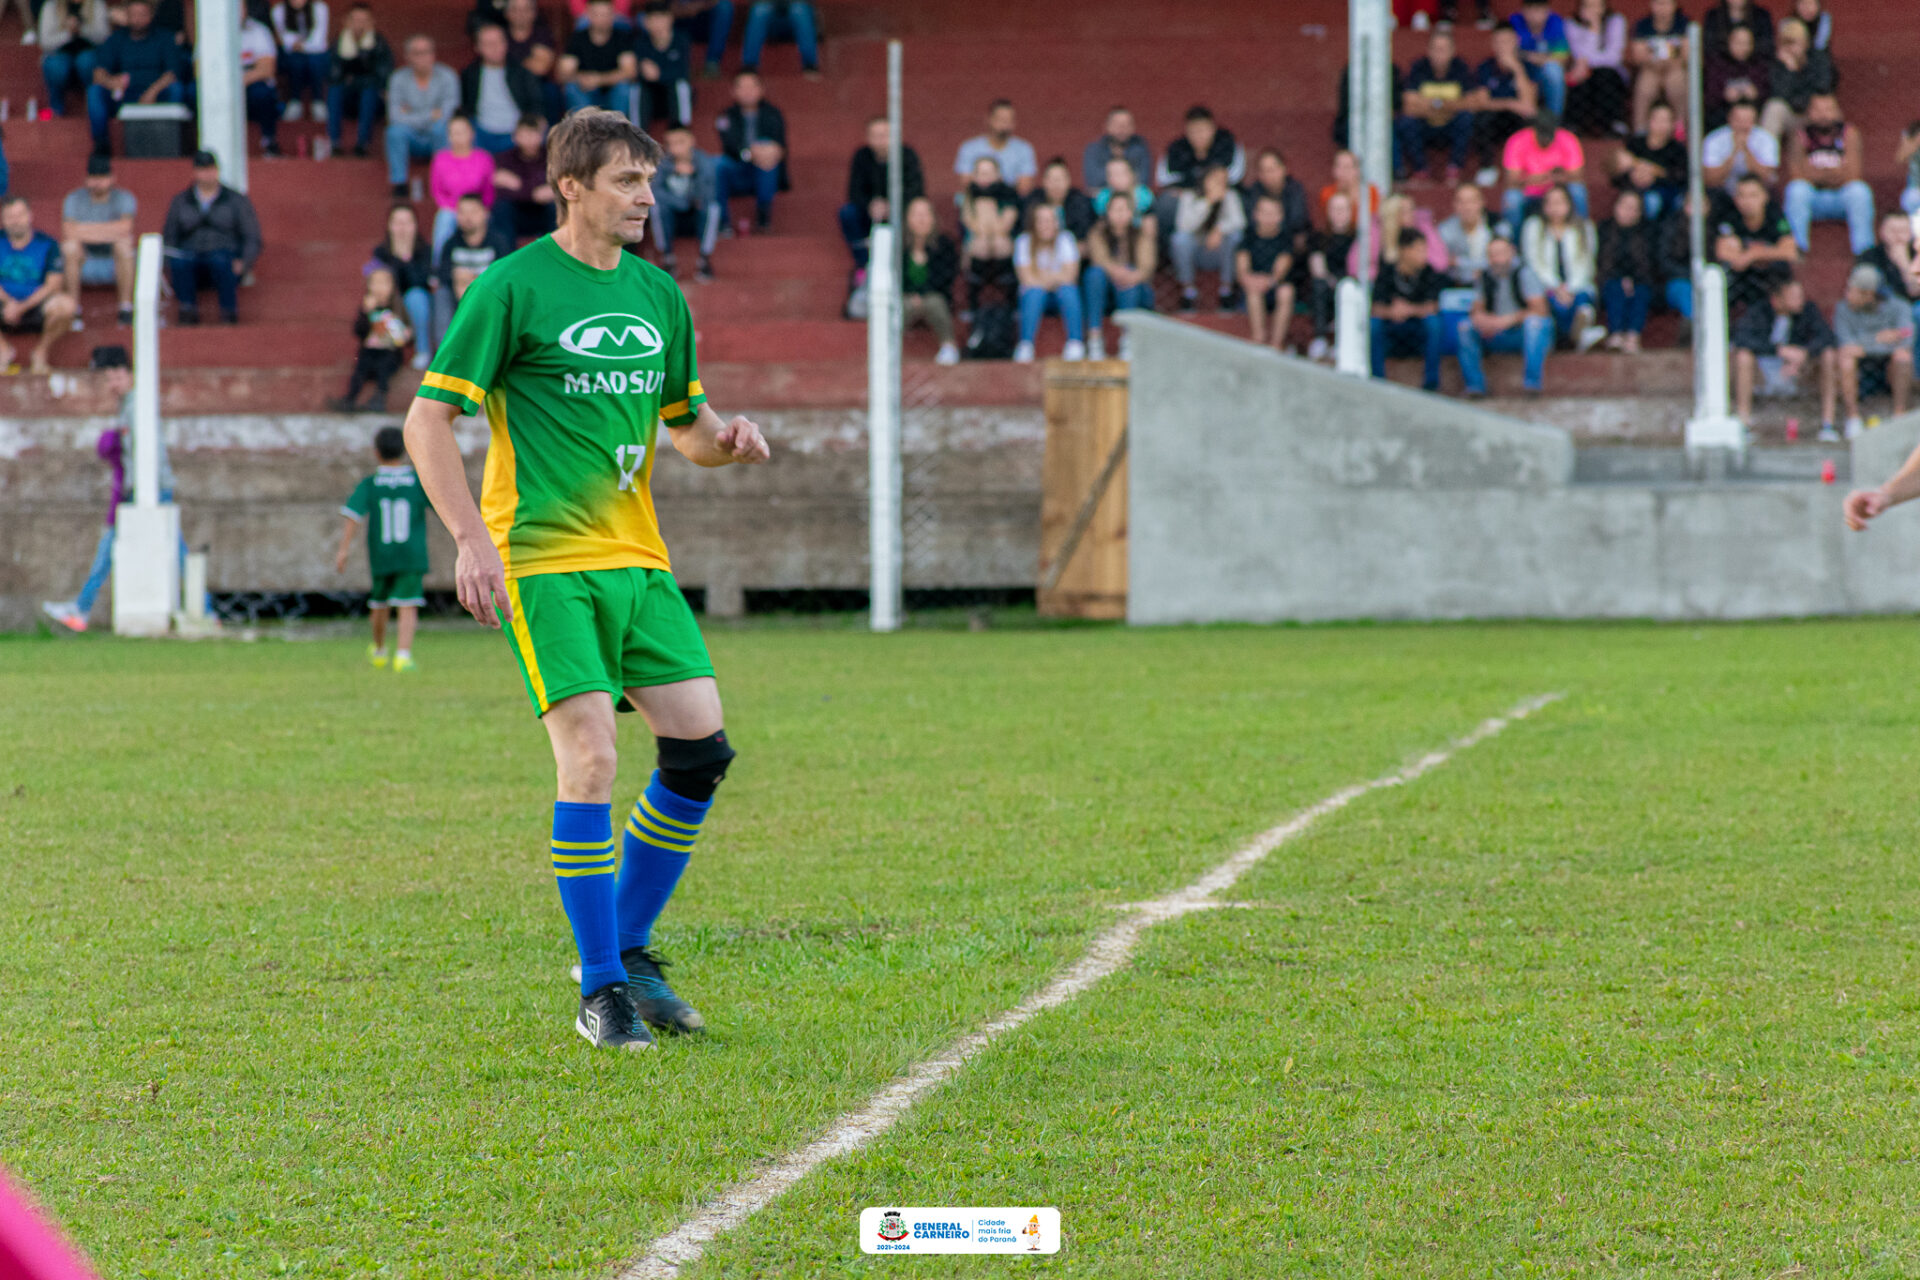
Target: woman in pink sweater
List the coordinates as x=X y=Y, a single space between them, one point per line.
x=462 y=169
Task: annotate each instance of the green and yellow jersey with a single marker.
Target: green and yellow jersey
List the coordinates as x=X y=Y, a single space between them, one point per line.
x=393 y=506
x=575 y=368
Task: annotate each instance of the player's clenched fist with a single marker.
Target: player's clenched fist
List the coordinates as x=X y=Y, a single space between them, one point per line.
x=1863 y=505
x=741 y=439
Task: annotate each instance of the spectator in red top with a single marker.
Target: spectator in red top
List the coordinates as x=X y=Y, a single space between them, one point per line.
x=1346 y=181
x=1538 y=159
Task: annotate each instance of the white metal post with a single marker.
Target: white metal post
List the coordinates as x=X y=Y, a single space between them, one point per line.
x=883 y=433
x=1712 y=426
x=223 y=103
x=1370 y=134
x=146 y=558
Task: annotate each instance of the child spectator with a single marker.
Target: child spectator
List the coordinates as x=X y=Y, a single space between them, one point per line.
x=753 y=148
x=301 y=28
x=1774 y=341
x=1629 y=268
x=1597 y=90
x=686 y=202
x=406 y=257
x=1738 y=148
x=1875 y=333
x=70 y=33
x=1013 y=157
x=1737 y=73
x=1056 y=189
x=1048 y=264
x=1659 y=57
x=460 y=170
x=786 y=20
x=1504 y=99
x=1263 y=264
x=1327 y=253
x=383 y=333
x=1653 y=165
x=1729 y=15
x=1122 y=180
x=1406 y=310
x=1433 y=109
x=1755 y=244
x=1207 y=226
x=1799 y=72
x=929 y=264
x=1509 y=314
x=1543 y=47
x=358 y=72
x=666 y=68
x=1467 y=234
x=1123 y=254
x=1825 y=160
x=1538 y=159
x=867 y=182
x=393 y=507
x=523 y=199
x=1560 y=245
x=1202 y=145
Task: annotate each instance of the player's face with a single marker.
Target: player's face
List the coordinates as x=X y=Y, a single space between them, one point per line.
x=616 y=206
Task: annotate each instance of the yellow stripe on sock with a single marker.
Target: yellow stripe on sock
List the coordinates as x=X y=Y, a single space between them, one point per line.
x=645 y=830
x=582 y=844
x=653 y=841
x=584 y=871
x=602 y=856
x=691 y=828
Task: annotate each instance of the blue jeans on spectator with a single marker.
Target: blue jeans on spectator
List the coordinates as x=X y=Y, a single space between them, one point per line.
x=405 y=142
x=62 y=69
x=1626 y=312
x=101 y=108
x=184 y=270
x=764 y=21
x=1680 y=296
x=420 y=316
x=306 y=75
x=612 y=97
x=1563 y=313
x=1516 y=207
x=263 y=108
x=711 y=26
x=1413 y=136
x=689 y=219
x=855 y=228
x=366 y=100
x=740 y=178
x=1418 y=336
x=1063 y=301
x=494 y=144
x=1854 y=202
x=1099 y=287
x=1532 y=338
x=1552 y=79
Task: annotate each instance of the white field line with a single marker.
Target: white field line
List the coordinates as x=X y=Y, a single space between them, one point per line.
x=1108 y=953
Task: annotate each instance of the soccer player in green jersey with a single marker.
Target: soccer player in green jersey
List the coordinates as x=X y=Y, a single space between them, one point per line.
x=575 y=351
x=392 y=505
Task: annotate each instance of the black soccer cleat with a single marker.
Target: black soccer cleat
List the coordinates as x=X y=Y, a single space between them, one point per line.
x=654 y=1000
x=609 y=1020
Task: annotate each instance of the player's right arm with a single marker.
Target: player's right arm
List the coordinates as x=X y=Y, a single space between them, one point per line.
x=478 y=575
x=1864 y=504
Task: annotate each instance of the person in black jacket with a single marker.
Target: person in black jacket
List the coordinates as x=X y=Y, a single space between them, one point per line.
x=753 y=147
x=931 y=261
x=495 y=94
x=211 y=231
x=1628 y=266
x=1070 y=202
x=1202 y=145
x=666 y=68
x=407 y=256
x=357 y=74
x=867 y=187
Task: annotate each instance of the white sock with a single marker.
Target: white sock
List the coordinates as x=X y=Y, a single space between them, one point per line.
x=404 y=653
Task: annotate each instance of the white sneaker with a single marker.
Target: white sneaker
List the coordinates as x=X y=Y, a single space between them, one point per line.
x=1592 y=336
x=31 y=37
x=1486 y=177
x=421 y=361
x=77 y=325
x=1828 y=435
x=1074 y=350
x=320 y=112
x=1023 y=354
x=65 y=614
x=1319 y=349
x=1097 y=345
x=1855 y=426
x=948 y=354
x=294 y=111
x=1421 y=21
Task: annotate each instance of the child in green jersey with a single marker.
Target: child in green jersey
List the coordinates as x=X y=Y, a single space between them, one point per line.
x=392 y=505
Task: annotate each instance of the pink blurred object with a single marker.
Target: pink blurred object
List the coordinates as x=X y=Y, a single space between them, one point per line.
x=30 y=1249
x=1793 y=428
x=1826 y=472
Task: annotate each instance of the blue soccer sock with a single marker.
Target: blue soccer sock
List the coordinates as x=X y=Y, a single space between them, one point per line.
x=583 y=866
x=659 y=841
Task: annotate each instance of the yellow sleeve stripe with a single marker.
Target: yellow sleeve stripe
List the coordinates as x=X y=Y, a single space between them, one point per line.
x=459 y=386
x=681 y=408
x=602 y=845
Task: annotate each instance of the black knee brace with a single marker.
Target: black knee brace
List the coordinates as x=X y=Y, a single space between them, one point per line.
x=693 y=767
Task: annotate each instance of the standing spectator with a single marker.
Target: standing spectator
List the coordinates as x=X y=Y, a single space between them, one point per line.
x=421 y=97
x=383 y=334
x=786 y=20
x=113 y=448
x=140 y=63
x=1202 y=145
x=708 y=20
x=1872 y=328
x=1121 y=141
x=1653 y=165
x=495 y=94
x=33 y=297
x=666 y=68
x=1736 y=73
x=1056 y=188
x=1774 y=341
x=929 y=263
x=461 y=170
x=360 y=68
x=96 y=236
x=1755 y=244
x=1123 y=254
x=1467 y=233
x=259 y=80
x=686 y=201
x=1629 y=268
x=1659 y=58
x=1263 y=264
x=1048 y=263
x=1207 y=225
x=1346 y=181
x=753 y=148
x=867 y=179
x=1509 y=314
x=599 y=68
x=471 y=249
x=1819 y=23
x=1738 y=148
x=1327 y=253
x=522 y=197
x=1721 y=20
x=1504 y=99
x=1597 y=90
x=1560 y=245
x=406 y=256
x=1538 y=159
x=211 y=231
x=1907 y=155
x=1799 y=72
x=1406 y=310
x=1271 y=178
x=1433 y=109
x=1824 y=162
x=301 y=28
x=1122 y=180
x=1543 y=47
x=1018 y=165
x=70 y=31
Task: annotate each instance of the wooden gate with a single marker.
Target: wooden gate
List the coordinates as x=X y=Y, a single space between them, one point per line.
x=1083 y=503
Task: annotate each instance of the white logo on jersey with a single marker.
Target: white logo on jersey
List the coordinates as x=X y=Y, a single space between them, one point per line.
x=612 y=336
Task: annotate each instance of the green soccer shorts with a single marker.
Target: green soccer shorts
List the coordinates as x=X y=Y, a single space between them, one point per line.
x=607 y=629
x=397 y=589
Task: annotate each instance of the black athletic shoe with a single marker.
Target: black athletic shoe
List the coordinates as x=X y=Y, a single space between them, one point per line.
x=608 y=1020
x=655 y=1001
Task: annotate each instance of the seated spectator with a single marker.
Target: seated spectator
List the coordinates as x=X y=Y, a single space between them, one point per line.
x=1630 y=270
x=1774 y=341
x=300 y=27
x=1466 y=234
x=788 y=20
x=404 y=254
x=70 y=32
x=599 y=68
x=1894 y=259
x=1406 y=310
x=1825 y=159
x=1597 y=92
x=1048 y=263
x=989 y=205
x=530 y=42
x=383 y=332
x=1503 y=100
x=1202 y=145
x=470 y=250
x=1735 y=74
x=357 y=74
x=1799 y=72
x=96 y=236
x=1263 y=265
x=1328 y=252
x=1120 y=142
x=1122 y=180
x=1271 y=178
x=33 y=297
x=1560 y=245
x=867 y=181
x=260 y=81
x=1346 y=181
x=1123 y=253
x=753 y=148
x=1056 y=188
x=495 y=94
x=1755 y=244
x=1538 y=159
x=1398 y=211
x=1659 y=58
x=523 y=202
x=1509 y=314
x=1730 y=15
x=666 y=68
x=1875 y=332
x=709 y=21
x=461 y=170
x=1014 y=157
x=140 y=63
x=1207 y=225
x=582 y=13
x=211 y=232
x=1738 y=148
x=1907 y=156
x=1543 y=47
x=929 y=263
x=1433 y=109
x=1653 y=165
x=421 y=98
x=1819 y=23
x=686 y=202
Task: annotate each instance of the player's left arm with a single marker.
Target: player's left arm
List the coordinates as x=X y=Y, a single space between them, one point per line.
x=709 y=442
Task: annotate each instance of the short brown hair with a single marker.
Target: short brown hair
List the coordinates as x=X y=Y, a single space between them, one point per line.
x=586 y=141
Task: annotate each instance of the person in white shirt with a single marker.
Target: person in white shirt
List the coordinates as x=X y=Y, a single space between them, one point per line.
x=1048 y=263
x=1207 y=226
x=1738 y=148
x=1561 y=248
x=259 y=73
x=302 y=28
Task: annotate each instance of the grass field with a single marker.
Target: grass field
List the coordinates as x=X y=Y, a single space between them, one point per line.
x=1629 y=990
